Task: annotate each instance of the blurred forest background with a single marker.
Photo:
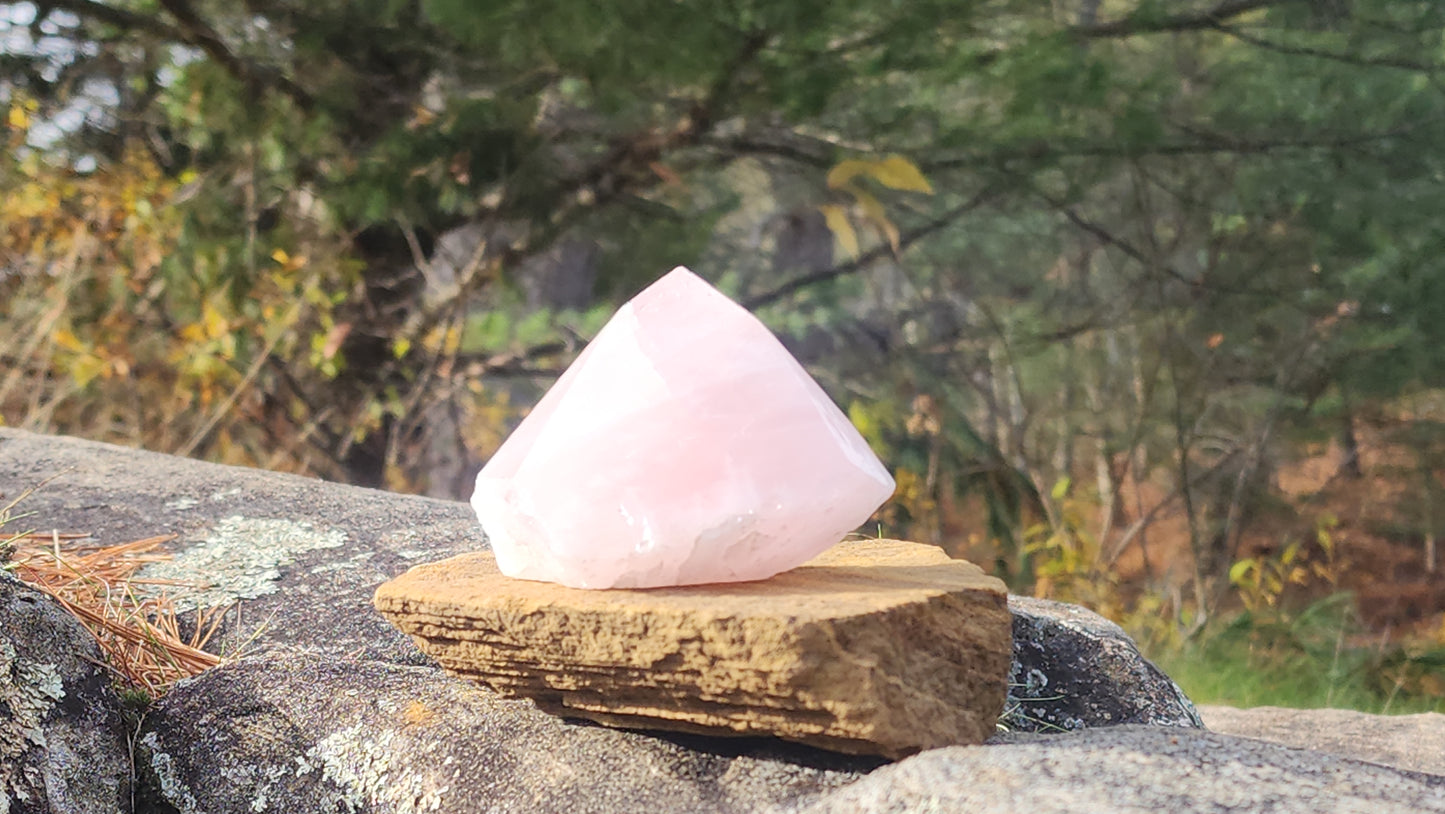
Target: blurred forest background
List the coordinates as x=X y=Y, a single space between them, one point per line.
x=1143 y=300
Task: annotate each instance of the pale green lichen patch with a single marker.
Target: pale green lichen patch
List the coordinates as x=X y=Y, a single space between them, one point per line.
x=372 y=774
x=28 y=690
x=172 y=787
x=241 y=558
x=266 y=780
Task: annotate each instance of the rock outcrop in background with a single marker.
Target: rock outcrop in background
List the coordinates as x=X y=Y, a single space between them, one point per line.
x=1073 y=669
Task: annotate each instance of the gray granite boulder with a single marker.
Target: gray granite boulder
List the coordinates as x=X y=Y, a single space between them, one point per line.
x=1134 y=769
x=1074 y=669
x=62 y=733
x=1413 y=742
x=301 y=555
x=299 y=733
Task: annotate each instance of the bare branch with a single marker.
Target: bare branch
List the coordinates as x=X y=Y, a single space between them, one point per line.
x=118 y=17
x=199 y=33
x=1203 y=143
x=706 y=110
x=1144 y=23
x=1333 y=56
x=863 y=260
x=807 y=151
x=1109 y=238
x=191 y=31
x=1138 y=23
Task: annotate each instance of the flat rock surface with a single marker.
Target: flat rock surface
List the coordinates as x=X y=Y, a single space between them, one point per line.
x=1414 y=742
x=302 y=734
x=301 y=555
x=1134 y=769
x=874 y=647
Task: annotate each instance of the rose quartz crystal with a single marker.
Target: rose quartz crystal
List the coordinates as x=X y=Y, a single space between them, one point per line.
x=684 y=446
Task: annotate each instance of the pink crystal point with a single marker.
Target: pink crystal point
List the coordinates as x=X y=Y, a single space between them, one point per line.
x=685 y=445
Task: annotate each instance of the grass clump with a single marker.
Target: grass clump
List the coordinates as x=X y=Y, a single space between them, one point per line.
x=1316 y=657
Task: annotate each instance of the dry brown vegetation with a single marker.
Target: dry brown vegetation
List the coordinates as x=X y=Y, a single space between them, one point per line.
x=137 y=626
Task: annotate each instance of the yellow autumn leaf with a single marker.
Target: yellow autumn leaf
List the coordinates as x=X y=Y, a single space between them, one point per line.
x=838 y=224
x=873 y=211
x=32 y=201
x=85 y=368
x=846 y=170
x=286 y=261
x=192 y=333
x=1061 y=489
x=68 y=340
x=400 y=347
x=897 y=172
x=864 y=420
x=18 y=119
x=214 y=322
x=894 y=172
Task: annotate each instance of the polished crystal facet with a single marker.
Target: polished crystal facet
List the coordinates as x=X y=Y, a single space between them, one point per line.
x=685 y=445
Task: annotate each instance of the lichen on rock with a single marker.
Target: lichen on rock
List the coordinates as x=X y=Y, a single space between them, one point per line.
x=163 y=767
x=27 y=692
x=364 y=767
x=62 y=737
x=28 y=689
x=241 y=558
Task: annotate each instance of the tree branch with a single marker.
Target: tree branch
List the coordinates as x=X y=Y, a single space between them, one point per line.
x=191 y=31
x=199 y=33
x=1334 y=56
x=1143 y=23
x=705 y=112
x=118 y=17
x=809 y=151
x=863 y=260
x=1108 y=238
x=630 y=163
x=1206 y=143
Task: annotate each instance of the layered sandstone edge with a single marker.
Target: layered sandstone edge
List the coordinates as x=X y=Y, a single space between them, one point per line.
x=874 y=647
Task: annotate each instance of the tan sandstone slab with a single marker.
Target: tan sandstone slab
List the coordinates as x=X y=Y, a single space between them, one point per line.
x=874 y=647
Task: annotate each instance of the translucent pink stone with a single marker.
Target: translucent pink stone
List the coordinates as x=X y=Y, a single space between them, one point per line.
x=684 y=446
